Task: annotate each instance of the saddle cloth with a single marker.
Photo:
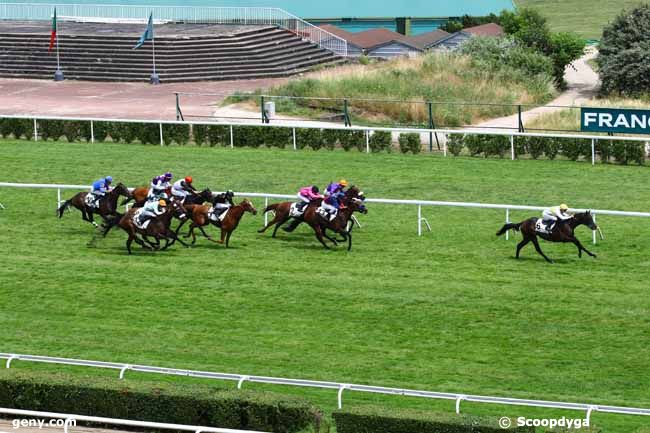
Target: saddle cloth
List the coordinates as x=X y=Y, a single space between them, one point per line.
x=90 y=200
x=295 y=211
x=211 y=215
x=136 y=220
x=541 y=227
x=325 y=214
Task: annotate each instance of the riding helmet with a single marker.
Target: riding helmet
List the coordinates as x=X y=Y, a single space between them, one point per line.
x=168 y=175
x=162 y=203
x=109 y=179
x=188 y=179
x=564 y=207
x=343 y=183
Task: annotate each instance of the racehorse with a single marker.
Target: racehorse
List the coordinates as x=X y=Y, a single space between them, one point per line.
x=563 y=232
x=282 y=210
x=338 y=225
x=200 y=218
x=158 y=228
x=139 y=195
x=107 y=205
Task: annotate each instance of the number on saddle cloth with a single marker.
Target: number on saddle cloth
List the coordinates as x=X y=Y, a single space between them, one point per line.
x=297 y=209
x=543 y=227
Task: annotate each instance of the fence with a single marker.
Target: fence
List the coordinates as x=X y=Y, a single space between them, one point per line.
x=186 y=14
x=340 y=387
x=419 y=203
x=367 y=130
x=116 y=421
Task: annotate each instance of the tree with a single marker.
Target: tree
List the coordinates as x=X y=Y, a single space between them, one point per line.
x=624 y=57
x=565 y=48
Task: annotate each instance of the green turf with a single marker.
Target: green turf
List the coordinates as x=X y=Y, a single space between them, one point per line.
x=585 y=17
x=451 y=311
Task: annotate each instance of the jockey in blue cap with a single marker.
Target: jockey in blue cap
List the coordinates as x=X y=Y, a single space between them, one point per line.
x=99 y=189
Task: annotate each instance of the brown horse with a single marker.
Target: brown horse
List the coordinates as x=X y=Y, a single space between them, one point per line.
x=283 y=209
x=563 y=232
x=200 y=219
x=107 y=205
x=338 y=225
x=158 y=228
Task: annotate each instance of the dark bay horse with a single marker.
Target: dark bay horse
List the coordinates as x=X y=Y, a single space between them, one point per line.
x=338 y=225
x=283 y=209
x=200 y=219
x=107 y=206
x=158 y=228
x=562 y=232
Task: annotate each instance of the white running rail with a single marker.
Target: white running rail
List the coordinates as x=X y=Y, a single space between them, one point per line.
x=117 y=421
x=341 y=387
x=418 y=203
x=186 y=14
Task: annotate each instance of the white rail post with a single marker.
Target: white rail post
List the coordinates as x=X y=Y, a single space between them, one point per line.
x=266 y=214
x=367 y=141
x=593 y=151
x=507 y=222
x=35 y=130
x=294 y=139
x=232 y=140
x=162 y=142
x=58 y=197
x=593 y=232
x=419 y=220
x=458 y=400
x=342 y=388
x=92 y=132
x=444 y=146
x=512 y=147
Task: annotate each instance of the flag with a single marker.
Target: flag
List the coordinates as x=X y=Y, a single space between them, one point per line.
x=148 y=33
x=53 y=36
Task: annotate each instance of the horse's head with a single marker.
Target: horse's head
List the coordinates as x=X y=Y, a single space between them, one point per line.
x=177 y=209
x=586 y=218
x=121 y=189
x=206 y=195
x=247 y=205
x=358 y=205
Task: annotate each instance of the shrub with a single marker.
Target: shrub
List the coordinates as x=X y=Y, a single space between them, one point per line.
x=410 y=142
x=17 y=127
x=147 y=133
x=380 y=141
x=115 y=130
x=53 y=129
x=535 y=146
x=626 y=152
x=72 y=131
x=605 y=149
x=309 y=137
x=167 y=402
x=330 y=138
x=218 y=135
x=200 y=134
x=474 y=144
x=575 y=148
x=251 y=136
x=455 y=144
x=177 y=133
x=278 y=137
x=496 y=145
x=99 y=130
x=6 y=127
x=350 y=139
x=379 y=420
x=552 y=147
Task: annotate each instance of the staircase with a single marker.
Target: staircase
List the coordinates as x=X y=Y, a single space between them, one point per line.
x=261 y=52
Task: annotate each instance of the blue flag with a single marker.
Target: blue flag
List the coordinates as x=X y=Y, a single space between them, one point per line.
x=148 y=33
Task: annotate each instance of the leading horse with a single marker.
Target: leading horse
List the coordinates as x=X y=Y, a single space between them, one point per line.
x=563 y=232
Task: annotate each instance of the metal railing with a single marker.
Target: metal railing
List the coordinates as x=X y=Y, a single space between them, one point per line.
x=341 y=387
x=69 y=418
x=419 y=203
x=186 y=14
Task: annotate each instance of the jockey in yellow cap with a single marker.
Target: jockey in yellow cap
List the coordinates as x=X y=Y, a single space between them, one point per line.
x=557 y=213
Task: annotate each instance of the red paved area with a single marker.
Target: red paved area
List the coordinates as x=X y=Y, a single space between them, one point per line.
x=116 y=100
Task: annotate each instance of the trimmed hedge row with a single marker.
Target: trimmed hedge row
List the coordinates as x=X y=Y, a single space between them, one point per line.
x=623 y=152
x=372 y=419
x=168 y=402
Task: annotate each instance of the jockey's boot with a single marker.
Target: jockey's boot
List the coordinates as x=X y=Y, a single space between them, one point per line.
x=291 y=226
x=142 y=218
x=550 y=226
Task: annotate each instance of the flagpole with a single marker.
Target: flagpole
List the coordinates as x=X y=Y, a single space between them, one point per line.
x=58 y=75
x=155 y=79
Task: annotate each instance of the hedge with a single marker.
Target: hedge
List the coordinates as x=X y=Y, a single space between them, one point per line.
x=410 y=142
x=370 y=419
x=168 y=402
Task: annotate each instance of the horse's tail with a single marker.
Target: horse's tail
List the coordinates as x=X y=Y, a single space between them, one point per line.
x=111 y=222
x=63 y=207
x=271 y=207
x=509 y=226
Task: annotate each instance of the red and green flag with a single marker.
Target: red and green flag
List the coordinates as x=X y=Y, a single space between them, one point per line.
x=53 y=36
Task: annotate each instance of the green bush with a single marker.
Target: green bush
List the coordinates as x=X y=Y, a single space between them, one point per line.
x=455 y=144
x=17 y=127
x=496 y=145
x=552 y=147
x=350 y=139
x=177 y=133
x=99 y=130
x=167 y=402
x=72 y=131
x=148 y=133
x=309 y=137
x=200 y=134
x=218 y=135
x=535 y=146
x=410 y=142
x=330 y=138
x=474 y=144
x=248 y=136
x=380 y=141
x=626 y=152
x=53 y=129
x=379 y=420
x=575 y=148
x=605 y=148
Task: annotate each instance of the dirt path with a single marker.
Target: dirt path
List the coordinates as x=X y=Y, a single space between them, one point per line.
x=582 y=85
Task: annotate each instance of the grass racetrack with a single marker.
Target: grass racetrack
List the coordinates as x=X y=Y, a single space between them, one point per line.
x=451 y=311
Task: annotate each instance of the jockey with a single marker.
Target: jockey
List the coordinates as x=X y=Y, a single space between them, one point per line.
x=100 y=188
x=333 y=203
x=335 y=187
x=152 y=209
x=221 y=203
x=556 y=213
x=306 y=196
x=159 y=187
x=182 y=188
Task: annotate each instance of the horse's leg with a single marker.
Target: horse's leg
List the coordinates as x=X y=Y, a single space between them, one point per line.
x=206 y=234
x=332 y=240
x=174 y=238
x=129 y=241
x=581 y=248
x=278 y=224
x=539 y=250
x=178 y=229
x=228 y=238
x=319 y=236
x=191 y=232
x=349 y=235
x=273 y=221
x=521 y=244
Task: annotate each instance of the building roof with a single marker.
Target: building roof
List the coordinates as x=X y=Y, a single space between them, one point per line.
x=425 y=40
x=368 y=38
x=490 y=29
